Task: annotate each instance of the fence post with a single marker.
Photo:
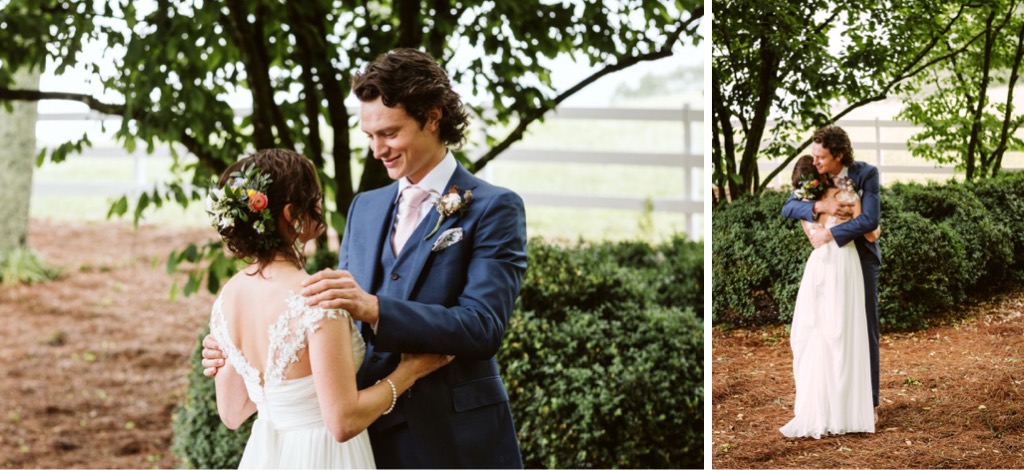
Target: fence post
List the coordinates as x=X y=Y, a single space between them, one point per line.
x=687 y=145
x=140 y=171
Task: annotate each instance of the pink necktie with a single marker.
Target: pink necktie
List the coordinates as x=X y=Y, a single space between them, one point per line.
x=408 y=215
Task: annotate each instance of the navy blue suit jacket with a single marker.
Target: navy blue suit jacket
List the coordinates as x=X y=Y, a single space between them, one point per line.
x=865 y=179
x=458 y=301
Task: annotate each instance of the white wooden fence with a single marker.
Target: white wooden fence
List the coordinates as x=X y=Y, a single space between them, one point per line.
x=689 y=201
x=691 y=196
x=883 y=143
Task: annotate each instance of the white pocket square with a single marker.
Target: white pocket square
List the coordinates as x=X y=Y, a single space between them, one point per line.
x=447 y=238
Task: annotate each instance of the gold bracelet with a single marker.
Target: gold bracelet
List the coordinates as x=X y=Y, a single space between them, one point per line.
x=394 y=396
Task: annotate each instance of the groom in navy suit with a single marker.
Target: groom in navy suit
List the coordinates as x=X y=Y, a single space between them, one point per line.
x=429 y=264
x=424 y=278
x=833 y=155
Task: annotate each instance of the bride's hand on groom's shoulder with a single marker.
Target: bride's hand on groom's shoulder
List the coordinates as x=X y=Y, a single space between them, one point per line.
x=213 y=357
x=337 y=289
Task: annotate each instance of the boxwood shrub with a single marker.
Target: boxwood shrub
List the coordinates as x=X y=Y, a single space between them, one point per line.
x=200 y=439
x=603 y=361
x=940 y=242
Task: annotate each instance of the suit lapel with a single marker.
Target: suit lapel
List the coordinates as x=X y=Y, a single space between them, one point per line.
x=421 y=250
x=377 y=230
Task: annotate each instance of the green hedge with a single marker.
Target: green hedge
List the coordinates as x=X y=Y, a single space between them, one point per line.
x=200 y=439
x=603 y=361
x=604 y=357
x=939 y=243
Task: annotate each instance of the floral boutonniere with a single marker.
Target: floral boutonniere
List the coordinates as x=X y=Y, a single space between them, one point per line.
x=845 y=183
x=449 y=205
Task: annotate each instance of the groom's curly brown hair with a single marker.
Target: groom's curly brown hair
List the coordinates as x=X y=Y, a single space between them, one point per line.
x=835 y=139
x=414 y=80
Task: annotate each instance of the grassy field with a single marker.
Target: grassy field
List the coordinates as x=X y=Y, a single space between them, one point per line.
x=562 y=223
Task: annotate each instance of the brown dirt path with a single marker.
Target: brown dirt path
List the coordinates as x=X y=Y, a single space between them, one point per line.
x=93 y=364
x=952 y=397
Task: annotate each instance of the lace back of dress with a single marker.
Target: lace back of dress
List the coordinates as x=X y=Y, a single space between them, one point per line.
x=843 y=195
x=288 y=336
x=287 y=339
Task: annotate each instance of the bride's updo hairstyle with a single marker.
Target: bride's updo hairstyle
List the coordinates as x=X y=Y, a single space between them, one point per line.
x=803 y=168
x=293 y=180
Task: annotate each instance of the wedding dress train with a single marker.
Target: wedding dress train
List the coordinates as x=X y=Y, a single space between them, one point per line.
x=289 y=431
x=830 y=347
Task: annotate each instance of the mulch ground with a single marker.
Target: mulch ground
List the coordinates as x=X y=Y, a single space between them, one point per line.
x=951 y=397
x=93 y=364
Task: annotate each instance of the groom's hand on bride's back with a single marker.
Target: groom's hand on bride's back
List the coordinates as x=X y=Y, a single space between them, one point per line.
x=213 y=357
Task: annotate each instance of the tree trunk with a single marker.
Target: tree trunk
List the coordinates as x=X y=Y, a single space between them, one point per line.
x=997 y=155
x=975 y=138
x=17 y=157
x=725 y=152
x=766 y=88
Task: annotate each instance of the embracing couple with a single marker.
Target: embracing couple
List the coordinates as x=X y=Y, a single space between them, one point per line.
x=389 y=360
x=835 y=328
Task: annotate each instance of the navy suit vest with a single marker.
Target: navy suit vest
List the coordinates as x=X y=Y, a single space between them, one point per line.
x=395 y=276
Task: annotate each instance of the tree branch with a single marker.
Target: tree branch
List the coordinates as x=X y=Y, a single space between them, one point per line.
x=7 y=94
x=909 y=72
x=537 y=113
x=204 y=153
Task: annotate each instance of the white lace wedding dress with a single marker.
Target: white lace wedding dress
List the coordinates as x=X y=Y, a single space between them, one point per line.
x=289 y=431
x=829 y=338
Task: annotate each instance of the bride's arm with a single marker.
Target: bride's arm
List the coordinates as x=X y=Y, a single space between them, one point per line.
x=348 y=411
x=233 y=403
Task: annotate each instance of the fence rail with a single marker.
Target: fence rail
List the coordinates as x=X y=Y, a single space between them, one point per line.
x=879 y=150
x=690 y=202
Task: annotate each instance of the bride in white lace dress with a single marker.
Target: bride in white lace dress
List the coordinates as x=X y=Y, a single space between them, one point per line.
x=293 y=365
x=829 y=332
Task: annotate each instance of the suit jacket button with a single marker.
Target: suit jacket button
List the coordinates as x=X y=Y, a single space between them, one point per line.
x=374 y=358
x=394 y=276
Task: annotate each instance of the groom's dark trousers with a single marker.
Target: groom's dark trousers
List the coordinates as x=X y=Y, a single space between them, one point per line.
x=865 y=180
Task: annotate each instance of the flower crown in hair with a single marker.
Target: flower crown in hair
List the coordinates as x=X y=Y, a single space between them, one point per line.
x=809 y=188
x=243 y=200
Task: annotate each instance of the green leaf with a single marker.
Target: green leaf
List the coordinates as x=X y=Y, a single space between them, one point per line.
x=191 y=254
x=193 y=284
x=172 y=263
x=141 y=206
x=118 y=208
x=338 y=221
